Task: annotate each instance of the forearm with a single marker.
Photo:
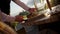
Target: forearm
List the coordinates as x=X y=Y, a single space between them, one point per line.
x=21 y=4
x=4 y=17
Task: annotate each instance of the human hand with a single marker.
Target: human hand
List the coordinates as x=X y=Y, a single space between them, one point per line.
x=32 y=10
x=19 y=18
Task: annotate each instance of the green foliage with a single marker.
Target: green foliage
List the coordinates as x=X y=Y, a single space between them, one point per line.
x=24 y=13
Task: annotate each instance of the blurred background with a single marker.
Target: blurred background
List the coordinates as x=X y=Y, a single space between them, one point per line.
x=15 y=9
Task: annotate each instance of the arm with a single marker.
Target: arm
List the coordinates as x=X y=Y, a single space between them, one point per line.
x=21 y=4
x=18 y=2
x=6 y=18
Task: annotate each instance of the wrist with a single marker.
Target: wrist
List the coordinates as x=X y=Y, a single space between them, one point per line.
x=30 y=10
x=27 y=8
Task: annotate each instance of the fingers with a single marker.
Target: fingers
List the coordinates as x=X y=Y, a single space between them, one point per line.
x=31 y=10
x=19 y=18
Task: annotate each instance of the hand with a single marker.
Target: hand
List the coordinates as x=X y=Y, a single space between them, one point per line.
x=31 y=10
x=19 y=18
